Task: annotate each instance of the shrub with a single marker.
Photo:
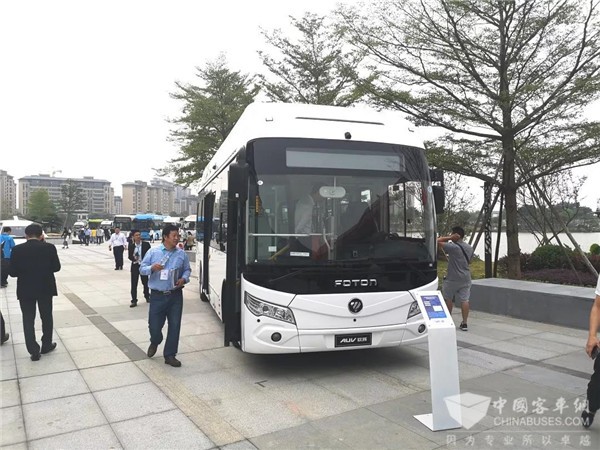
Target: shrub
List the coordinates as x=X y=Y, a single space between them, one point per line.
x=550 y=257
x=524 y=261
x=560 y=276
x=595 y=249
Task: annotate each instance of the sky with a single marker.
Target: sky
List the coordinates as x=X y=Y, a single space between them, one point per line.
x=84 y=85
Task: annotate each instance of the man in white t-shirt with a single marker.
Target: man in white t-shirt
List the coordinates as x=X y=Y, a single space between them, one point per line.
x=117 y=244
x=592 y=347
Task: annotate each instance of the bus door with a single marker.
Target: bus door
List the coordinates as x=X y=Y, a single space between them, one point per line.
x=236 y=207
x=209 y=202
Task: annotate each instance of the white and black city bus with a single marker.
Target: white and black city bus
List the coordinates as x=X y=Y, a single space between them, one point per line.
x=318 y=223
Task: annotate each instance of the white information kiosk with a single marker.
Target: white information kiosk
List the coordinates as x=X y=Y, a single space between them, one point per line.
x=443 y=363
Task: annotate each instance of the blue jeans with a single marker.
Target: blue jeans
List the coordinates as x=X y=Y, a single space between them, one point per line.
x=169 y=307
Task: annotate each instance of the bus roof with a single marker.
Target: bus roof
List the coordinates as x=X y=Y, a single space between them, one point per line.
x=149 y=216
x=294 y=120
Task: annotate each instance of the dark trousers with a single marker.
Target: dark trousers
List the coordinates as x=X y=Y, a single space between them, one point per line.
x=135 y=276
x=593 y=390
x=4 y=264
x=118 y=252
x=166 y=307
x=28 y=307
x=3 y=328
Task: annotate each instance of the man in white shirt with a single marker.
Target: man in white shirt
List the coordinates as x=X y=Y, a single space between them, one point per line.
x=117 y=244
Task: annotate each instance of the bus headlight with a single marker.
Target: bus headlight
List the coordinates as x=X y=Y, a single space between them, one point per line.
x=413 y=310
x=261 y=308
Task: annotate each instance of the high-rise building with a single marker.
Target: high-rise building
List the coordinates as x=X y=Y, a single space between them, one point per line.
x=8 y=195
x=135 y=197
x=118 y=209
x=98 y=194
x=156 y=197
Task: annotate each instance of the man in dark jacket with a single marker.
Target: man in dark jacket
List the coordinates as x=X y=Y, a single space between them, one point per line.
x=136 y=252
x=33 y=264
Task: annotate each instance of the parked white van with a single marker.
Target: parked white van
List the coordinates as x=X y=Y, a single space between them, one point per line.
x=17 y=228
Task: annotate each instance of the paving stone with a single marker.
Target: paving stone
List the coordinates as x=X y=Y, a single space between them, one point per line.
x=49 y=363
x=578 y=361
x=86 y=342
x=486 y=361
x=514 y=347
x=166 y=430
x=55 y=385
x=13 y=429
x=61 y=415
x=365 y=388
x=311 y=401
x=304 y=436
x=9 y=393
x=550 y=378
x=254 y=415
x=78 y=331
x=241 y=445
x=361 y=429
x=90 y=439
x=132 y=401
x=8 y=370
x=113 y=376
x=98 y=357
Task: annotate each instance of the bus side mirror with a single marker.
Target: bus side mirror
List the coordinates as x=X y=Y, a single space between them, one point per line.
x=238 y=181
x=439 y=199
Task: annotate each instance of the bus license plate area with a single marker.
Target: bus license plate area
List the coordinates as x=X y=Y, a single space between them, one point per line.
x=352 y=340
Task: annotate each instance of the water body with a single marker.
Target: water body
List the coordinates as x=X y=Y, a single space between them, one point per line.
x=528 y=243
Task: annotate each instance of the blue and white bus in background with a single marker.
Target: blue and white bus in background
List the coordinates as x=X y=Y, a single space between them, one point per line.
x=194 y=224
x=147 y=222
x=318 y=227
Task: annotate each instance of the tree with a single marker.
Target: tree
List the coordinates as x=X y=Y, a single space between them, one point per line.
x=209 y=113
x=72 y=199
x=40 y=207
x=458 y=203
x=508 y=80
x=315 y=69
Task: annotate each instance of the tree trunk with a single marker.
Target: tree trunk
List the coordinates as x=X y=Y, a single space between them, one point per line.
x=510 y=196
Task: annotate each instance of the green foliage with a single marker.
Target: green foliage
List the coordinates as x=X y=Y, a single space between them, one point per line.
x=317 y=68
x=40 y=207
x=595 y=249
x=507 y=80
x=209 y=113
x=550 y=257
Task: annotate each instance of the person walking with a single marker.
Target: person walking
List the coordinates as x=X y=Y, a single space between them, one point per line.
x=168 y=269
x=117 y=244
x=457 y=284
x=136 y=252
x=66 y=234
x=7 y=243
x=34 y=264
x=592 y=348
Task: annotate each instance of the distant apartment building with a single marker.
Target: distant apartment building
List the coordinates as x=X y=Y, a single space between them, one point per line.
x=98 y=194
x=156 y=197
x=118 y=202
x=8 y=195
x=135 y=197
x=188 y=205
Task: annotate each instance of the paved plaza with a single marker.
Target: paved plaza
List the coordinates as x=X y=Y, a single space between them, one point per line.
x=98 y=389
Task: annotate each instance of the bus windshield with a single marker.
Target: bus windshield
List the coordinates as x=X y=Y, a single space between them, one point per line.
x=337 y=202
x=123 y=222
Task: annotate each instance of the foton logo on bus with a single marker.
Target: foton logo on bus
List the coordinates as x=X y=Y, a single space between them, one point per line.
x=365 y=282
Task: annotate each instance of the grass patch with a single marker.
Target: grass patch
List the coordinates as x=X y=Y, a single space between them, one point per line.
x=477 y=269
